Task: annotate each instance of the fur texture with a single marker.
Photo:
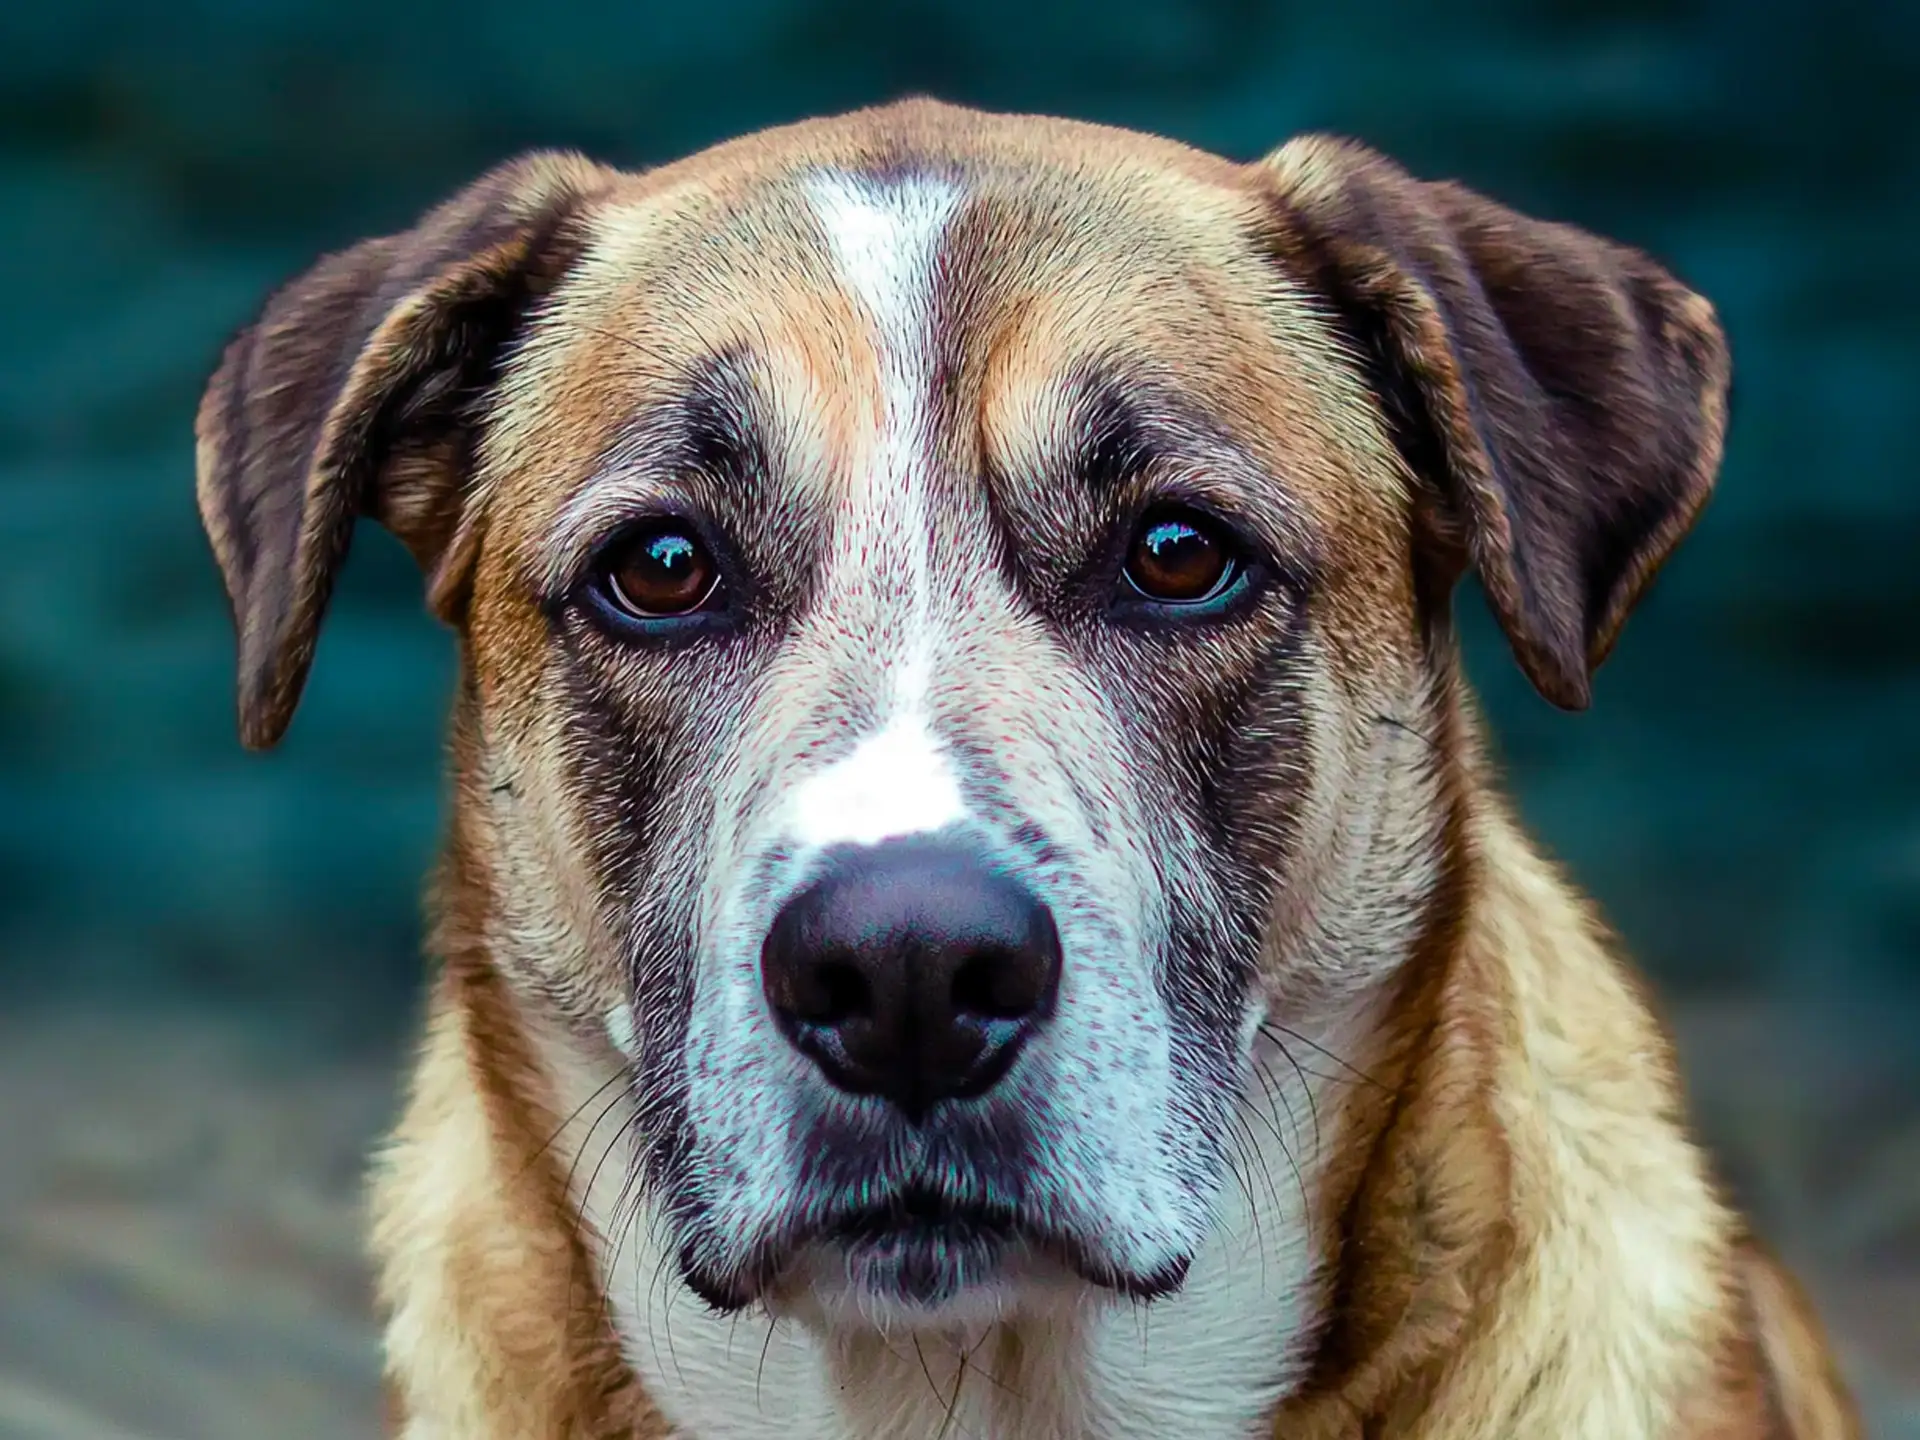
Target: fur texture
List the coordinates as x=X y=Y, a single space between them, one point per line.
x=1348 y=1122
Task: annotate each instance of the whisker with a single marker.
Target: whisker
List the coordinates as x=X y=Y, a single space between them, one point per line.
x=1276 y=1092
x=1270 y=1026
x=766 y=1348
x=599 y=1301
x=578 y=1110
x=663 y=1281
x=1302 y=1074
x=948 y=1405
x=952 y=1420
x=1245 y=1141
x=1242 y=1137
x=1274 y=1089
x=990 y=1376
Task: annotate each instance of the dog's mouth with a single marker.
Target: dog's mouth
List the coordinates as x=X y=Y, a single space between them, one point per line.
x=920 y=1250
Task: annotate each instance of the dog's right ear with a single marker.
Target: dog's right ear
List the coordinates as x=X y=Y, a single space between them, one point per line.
x=355 y=393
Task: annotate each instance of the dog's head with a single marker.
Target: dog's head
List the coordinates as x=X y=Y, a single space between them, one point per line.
x=952 y=612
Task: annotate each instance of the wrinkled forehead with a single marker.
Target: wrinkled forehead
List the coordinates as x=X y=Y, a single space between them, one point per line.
x=984 y=303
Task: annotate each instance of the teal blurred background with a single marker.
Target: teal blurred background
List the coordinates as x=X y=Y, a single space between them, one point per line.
x=184 y=926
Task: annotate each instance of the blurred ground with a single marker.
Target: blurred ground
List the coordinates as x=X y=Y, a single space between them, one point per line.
x=179 y=1211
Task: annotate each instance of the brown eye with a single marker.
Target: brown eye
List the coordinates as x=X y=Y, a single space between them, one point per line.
x=661 y=572
x=1179 y=560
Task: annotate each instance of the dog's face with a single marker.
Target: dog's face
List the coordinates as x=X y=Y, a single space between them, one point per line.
x=951 y=607
x=988 y=507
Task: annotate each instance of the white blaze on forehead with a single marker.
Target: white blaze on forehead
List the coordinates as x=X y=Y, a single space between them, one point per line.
x=896 y=782
x=885 y=235
x=885 y=238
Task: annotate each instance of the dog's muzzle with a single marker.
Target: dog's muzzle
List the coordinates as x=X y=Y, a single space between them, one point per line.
x=911 y=975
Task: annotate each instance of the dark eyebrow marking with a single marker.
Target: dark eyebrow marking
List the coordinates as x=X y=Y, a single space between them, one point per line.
x=1128 y=419
x=703 y=445
x=1112 y=443
x=717 y=425
x=709 y=422
x=1127 y=422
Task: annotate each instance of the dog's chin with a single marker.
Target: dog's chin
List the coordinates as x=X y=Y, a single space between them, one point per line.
x=913 y=1276
x=918 y=1264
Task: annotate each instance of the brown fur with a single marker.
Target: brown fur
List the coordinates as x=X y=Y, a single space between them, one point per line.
x=1389 y=379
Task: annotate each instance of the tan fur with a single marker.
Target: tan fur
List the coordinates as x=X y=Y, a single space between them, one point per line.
x=485 y=1278
x=1504 y=1228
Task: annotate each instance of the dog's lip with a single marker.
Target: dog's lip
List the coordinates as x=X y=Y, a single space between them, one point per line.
x=921 y=1210
x=923 y=1214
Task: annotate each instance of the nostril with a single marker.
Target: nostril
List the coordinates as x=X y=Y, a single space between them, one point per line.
x=995 y=985
x=833 y=992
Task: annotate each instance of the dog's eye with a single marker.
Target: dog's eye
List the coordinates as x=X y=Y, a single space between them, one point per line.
x=1180 y=559
x=660 y=572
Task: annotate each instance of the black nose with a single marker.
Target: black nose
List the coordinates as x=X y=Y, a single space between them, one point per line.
x=912 y=970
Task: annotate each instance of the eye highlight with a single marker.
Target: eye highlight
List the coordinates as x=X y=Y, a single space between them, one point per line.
x=1177 y=558
x=660 y=571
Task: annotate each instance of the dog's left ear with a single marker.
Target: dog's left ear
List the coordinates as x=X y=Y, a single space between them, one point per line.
x=355 y=393
x=1564 y=395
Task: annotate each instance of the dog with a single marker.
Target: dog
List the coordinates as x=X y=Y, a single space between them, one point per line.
x=977 y=902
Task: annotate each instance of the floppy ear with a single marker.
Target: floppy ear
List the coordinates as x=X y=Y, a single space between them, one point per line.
x=354 y=394
x=1565 y=396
